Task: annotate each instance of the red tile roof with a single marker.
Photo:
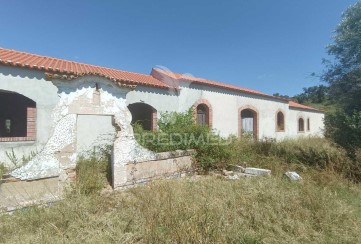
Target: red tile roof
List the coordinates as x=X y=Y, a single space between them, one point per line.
x=212 y=83
x=60 y=66
x=71 y=68
x=293 y=104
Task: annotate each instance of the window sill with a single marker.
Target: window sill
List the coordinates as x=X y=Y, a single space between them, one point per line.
x=16 y=139
x=301 y=132
x=280 y=130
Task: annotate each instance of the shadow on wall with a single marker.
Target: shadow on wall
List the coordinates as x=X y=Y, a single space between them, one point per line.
x=14 y=114
x=143 y=114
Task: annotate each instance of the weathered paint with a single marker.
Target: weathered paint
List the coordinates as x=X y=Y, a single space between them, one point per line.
x=59 y=103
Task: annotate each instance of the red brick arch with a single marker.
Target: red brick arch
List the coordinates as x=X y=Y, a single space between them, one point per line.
x=256 y=119
x=27 y=120
x=210 y=111
x=298 y=124
x=284 y=121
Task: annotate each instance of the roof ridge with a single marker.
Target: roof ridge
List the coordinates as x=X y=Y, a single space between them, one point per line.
x=206 y=79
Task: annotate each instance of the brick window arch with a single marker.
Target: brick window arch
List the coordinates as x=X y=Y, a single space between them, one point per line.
x=203 y=113
x=17 y=117
x=301 y=125
x=248 y=121
x=280 y=121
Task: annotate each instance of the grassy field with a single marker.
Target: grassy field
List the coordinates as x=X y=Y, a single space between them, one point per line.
x=323 y=208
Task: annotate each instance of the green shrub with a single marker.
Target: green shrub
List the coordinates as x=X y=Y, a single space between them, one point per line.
x=178 y=131
x=344 y=129
x=213 y=156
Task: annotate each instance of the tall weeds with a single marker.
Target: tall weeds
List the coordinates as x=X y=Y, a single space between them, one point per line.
x=208 y=210
x=93 y=172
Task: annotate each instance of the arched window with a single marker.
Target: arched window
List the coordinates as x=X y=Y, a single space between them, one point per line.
x=144 y=114
x=17 y=117
x=308 y=124
x=248 y=123
x=202 y=115
x=301 y=125
x=280 y=124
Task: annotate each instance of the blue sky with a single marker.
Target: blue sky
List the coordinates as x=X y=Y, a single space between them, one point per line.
x=271 y=46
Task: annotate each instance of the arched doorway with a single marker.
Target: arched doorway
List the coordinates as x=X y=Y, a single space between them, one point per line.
x=144 y=114
x=17 y=117
x=248 y=123
x=202 y=114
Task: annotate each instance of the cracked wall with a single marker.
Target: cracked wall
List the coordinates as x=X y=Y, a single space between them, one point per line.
x=80 y=97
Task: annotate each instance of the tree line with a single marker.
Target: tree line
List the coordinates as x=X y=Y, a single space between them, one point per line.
x=342 y=84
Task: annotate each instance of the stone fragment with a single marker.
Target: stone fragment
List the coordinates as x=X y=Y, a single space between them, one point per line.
x=257 y=171
x=232 y=177
x=227 y=173
x=293 y=176
x=237 y=168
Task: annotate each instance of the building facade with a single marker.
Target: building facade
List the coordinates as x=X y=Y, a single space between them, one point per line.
x=51 y=109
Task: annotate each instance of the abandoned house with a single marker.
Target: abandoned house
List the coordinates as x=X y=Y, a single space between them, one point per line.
x=55 y=109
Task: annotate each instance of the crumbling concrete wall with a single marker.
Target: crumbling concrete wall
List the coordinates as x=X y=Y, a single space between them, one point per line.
x=81 y=97
x=166 y=164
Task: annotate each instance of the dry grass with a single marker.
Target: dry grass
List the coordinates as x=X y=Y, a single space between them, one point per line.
x=322 y=209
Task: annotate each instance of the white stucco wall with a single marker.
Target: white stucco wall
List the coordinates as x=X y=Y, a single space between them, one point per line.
x=32 y=85
x=316 y=123
x=226 y=104
x=93 y=131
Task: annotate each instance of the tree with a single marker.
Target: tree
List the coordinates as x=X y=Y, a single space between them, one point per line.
x=344 y=73
x=344 y=77
x=280 y=95
x=313 y=94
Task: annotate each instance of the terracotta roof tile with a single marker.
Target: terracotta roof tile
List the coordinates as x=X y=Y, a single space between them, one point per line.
x=60 y=66
x=212 y=83
x=293 y=104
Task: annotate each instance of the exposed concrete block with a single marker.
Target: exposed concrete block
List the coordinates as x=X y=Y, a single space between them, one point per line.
x=257 y=171
x=140 y=172
x=15 y=195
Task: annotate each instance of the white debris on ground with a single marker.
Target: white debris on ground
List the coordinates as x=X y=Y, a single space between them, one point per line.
x=293 y=176
x=238 y=171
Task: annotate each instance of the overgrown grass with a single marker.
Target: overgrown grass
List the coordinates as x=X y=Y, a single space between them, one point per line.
x=318 y=153
x=93 y=171
x=323 y=208
x=2 y=171
x=179 y=131
x=207 y=210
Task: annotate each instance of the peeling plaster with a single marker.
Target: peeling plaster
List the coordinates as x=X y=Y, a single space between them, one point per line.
x=78 y=99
